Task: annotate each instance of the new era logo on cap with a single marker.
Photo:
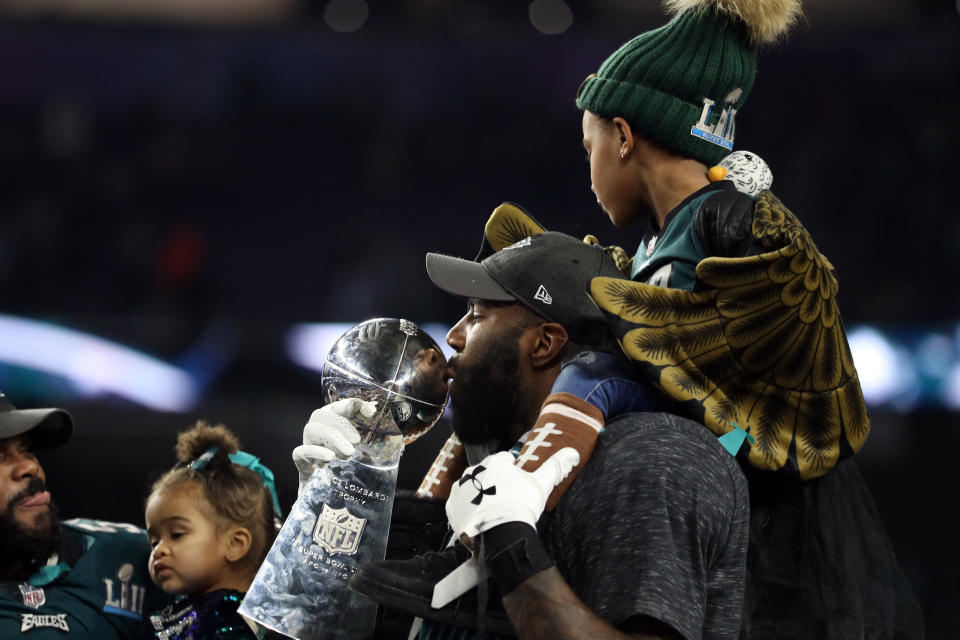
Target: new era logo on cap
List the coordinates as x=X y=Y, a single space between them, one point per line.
x=543 y=295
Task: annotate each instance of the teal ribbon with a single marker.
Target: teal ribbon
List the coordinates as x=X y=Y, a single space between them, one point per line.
x=733 y=439
x=249 y=461
x=253 y=463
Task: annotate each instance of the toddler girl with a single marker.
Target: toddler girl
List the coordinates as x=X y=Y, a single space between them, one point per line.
x=210 y=521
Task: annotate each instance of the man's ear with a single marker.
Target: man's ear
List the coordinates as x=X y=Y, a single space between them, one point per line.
x=626 y=135
x=550 y=339
x=237 y=541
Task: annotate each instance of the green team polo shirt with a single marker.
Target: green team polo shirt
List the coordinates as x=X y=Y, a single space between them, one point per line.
x=98 y=587
x=669 y=257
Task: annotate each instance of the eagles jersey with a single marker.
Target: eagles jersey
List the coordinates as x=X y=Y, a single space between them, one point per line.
x=713 y=221
x=96 y=587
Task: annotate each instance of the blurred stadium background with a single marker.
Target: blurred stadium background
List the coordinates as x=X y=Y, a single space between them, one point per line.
x=196 y=192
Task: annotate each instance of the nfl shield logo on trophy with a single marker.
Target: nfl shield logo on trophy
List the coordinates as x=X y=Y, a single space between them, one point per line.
x=32 y=596
x=337 y=531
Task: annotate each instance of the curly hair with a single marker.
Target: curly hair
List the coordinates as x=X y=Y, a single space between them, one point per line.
x=232 y=494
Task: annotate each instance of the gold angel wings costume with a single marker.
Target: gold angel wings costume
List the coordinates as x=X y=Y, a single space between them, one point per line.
x=761 y=348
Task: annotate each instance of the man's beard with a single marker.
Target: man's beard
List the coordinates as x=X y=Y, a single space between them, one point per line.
x=486 y=393
x=24 y=548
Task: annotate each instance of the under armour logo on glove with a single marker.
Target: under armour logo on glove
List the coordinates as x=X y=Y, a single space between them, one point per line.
x=472 y=477
x=523 y=496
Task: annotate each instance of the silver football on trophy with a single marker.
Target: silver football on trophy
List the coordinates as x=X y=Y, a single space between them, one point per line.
x=395 y=364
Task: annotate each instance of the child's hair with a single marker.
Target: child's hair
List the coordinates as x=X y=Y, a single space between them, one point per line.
x=233 y=494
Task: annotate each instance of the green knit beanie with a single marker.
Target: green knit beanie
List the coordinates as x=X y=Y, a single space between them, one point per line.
x=682 y=85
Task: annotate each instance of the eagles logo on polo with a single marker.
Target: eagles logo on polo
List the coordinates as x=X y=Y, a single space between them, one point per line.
x=36 y=621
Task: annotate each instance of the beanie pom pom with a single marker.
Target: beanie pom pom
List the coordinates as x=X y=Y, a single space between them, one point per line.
x=766 y=20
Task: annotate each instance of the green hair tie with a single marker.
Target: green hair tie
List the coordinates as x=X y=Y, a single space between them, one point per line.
x=204 y=459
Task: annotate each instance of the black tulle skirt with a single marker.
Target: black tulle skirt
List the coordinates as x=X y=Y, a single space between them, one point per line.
x=820 y=564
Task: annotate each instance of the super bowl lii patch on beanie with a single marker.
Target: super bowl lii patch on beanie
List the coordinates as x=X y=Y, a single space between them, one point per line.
x=682 y=85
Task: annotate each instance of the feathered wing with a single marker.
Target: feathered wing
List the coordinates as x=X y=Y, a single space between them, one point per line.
x=762 y=347
x=509 y=224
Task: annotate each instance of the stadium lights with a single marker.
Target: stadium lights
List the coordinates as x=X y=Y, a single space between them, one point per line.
x=884 y=370
x=96 y=366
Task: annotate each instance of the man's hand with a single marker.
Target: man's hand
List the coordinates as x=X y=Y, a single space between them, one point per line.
x=497 y=491
x=330 y=434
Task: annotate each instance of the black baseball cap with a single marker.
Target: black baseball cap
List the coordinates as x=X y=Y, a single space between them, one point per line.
x=549 y=272
x=48 y=428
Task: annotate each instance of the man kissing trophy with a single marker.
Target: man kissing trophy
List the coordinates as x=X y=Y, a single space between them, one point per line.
x=342 y=516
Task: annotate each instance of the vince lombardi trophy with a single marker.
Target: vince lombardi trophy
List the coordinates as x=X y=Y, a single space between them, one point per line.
x=342 y=516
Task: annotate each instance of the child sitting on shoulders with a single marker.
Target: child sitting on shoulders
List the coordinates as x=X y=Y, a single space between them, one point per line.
x=210 y=521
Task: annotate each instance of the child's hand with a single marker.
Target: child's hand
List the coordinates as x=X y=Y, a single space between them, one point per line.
x=330 y=434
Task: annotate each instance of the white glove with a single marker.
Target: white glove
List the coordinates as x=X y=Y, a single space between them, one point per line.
x=330 y=434
x=498 y=491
